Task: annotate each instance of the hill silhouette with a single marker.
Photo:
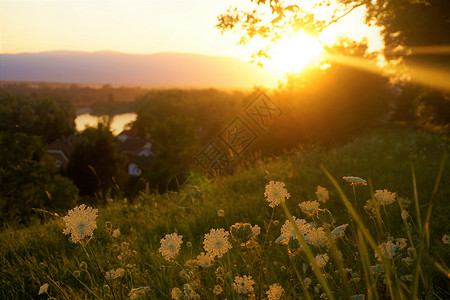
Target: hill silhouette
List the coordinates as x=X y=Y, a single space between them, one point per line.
x=155 y=70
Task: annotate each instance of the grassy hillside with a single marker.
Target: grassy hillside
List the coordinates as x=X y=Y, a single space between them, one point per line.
x=42 y=254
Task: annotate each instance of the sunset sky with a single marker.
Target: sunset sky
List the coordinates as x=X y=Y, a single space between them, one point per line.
x=134 y=26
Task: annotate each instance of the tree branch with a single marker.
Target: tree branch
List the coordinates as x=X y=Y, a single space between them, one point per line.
x=343 y=15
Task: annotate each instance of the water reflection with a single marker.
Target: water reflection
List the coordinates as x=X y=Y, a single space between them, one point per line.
x=118 y=122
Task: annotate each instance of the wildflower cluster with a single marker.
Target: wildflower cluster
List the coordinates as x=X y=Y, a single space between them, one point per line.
x=316 y=230
x=233 y=260
x=115 y=274
x=389 y=249
x=312 y=234
x=243 y=232
x=383 y=198
x=114 y=233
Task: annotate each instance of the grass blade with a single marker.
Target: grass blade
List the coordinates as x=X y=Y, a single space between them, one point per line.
x=416 y=199
x=364 y=230
x=308 y=253
x=425 y=233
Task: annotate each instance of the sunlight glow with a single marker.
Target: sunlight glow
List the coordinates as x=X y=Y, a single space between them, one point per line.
x=293 y=54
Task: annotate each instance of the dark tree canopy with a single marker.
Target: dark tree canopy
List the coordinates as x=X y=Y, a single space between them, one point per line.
x=95 y=165
x=208 y=108
x=42 y=116
x=176 y=142
x=28 y=179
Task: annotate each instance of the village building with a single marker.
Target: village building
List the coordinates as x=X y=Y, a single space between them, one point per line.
x=139 y=151
x=61 y=149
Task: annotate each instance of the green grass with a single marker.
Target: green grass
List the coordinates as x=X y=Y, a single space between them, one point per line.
x=40 y=253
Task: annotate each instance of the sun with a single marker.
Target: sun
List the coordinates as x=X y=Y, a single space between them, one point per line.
x=294 y=53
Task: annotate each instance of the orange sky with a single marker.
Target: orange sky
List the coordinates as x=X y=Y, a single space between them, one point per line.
x=132 y=26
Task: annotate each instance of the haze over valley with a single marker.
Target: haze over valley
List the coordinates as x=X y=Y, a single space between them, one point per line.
x=149 y=70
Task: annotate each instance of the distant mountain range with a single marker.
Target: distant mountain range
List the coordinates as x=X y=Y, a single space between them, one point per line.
x=151 y=70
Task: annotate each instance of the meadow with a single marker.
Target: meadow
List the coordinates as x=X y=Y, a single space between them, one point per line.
x=382 y=234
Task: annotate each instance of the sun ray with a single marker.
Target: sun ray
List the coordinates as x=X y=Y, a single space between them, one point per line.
x=423 y=75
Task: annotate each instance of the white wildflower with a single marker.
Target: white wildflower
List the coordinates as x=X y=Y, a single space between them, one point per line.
x=401 y=243
x=276 y=193
x=114 y=274
x=256 y=230
x=288 y=232
x=176 y=294
x=309 y=207
x=384 y=197
x=322 y=259
x=355 y=180
x=170 y=245
x=189 y=291
x=80 y=223
x=204 y=260
x=339 y=231
x=322 y=194
x=244 y=284
x=43 y=289
x=275 y=292
x=388 y=250
x=216 y=242
x=139 y=292
x=371 y=206
x=315 y=236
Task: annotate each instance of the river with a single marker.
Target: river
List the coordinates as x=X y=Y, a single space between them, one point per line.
x=117 y=124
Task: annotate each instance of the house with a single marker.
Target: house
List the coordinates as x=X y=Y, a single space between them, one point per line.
x=61 y=149
x=139 y=151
